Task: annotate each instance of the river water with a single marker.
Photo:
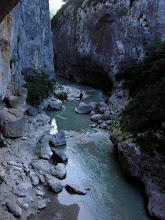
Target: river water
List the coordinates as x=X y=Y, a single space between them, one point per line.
x=93 y=163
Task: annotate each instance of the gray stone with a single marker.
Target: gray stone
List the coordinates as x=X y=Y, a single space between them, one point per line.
x=103 y=125
x=18 y=100
x=12 y=122
x=59 y=156
x=92 y=113
x=42 y=204
x=55 y=105
x=102 y=104
x=54 y=184
x=59 y=171
x=109 y=122
x=93 y=106
x=23 y=189
x=102 y=110
x=82 y=108
x=34 y=178
x=41 y=166
x=106 y=115
x=100 y=122
x=58 y=139
x=96 y=117
x=93 y=125
x=31 y=110
x=40 y=193
x=14 y=208
x=43 y=147
x=75 y=189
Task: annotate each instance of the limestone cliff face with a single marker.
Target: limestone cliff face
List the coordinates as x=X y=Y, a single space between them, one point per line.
x=100 y=38
x=25 y=42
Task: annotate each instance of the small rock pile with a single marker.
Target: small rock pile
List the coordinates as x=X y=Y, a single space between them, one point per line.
x=100 y=113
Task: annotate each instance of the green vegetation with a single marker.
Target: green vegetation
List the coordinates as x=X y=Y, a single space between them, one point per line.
x=62 y=96
x=146 y=110
x=39 y=87
x=146 y=83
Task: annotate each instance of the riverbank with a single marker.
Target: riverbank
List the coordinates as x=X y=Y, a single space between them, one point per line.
x=24 y=191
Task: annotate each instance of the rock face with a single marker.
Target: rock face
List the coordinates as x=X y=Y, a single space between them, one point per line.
x=25 y=42
x=150 y=170
x=94 y=40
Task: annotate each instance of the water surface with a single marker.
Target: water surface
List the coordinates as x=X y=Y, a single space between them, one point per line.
x=93 y=163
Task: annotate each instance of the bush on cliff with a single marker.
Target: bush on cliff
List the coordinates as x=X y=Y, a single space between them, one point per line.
x=146 y=83
x=39 y=87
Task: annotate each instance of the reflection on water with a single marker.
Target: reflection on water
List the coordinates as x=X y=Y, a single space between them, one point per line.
x=54 y=128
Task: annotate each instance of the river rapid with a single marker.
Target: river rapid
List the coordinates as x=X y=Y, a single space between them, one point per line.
x=93 y=163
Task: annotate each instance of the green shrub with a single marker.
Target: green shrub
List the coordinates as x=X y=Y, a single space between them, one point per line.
x=62 y=96
x=146 y=83
x=39 y=87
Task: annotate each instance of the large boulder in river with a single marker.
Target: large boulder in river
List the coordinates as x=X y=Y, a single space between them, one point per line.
x=55 y=104
x=96 y=117
x=12 y=122
x=82 y=108
x=58 y=139
x=75 y=189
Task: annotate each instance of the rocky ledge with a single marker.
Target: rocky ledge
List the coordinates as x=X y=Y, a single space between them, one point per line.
x=150 y=170
x=29 y=181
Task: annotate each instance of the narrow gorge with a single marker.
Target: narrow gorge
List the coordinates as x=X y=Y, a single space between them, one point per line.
x=82 y=110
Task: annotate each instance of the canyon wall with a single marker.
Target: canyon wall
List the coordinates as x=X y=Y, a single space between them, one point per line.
x=93 y=40
x=25 y=42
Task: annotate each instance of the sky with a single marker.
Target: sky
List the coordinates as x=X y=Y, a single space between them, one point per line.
x=55 y=4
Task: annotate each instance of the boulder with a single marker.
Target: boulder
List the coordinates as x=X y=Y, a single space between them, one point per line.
x=102 y=110
x=75 y=189
x=106 y=115
x=60 y=157
x=34 y=178
x=92 y=113
x=18 y=100
x=93 y=125
x=14 y=208
x=59 y=171
x=58 y=139
x=41 y=166
x=12 y=122
x=54 y=184
x=43 y=147
x=102 y=104
x=96 y=117
x=109 y=122
x=93 y=106
x=82 y=108
x=31 y=110
x=103 y=125
x=55 y=104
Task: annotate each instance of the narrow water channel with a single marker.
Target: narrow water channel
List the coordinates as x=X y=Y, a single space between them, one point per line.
x=93 y=163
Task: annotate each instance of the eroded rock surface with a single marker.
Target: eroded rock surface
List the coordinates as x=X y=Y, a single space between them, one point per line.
x=96 y=39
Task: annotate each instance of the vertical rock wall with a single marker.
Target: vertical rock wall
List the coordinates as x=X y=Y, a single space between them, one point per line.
x=96 y=39
x=28 y=44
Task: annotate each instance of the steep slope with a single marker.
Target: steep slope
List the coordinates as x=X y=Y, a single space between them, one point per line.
x=25 y=43
x=94 y=40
